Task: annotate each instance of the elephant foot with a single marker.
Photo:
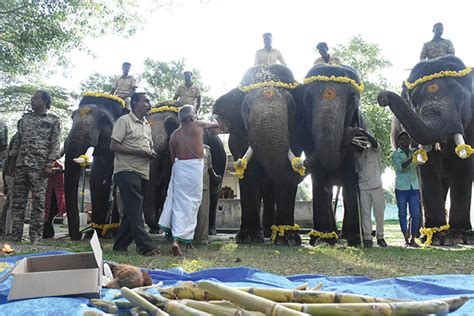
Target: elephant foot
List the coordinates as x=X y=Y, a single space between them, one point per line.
x=442 y=239
x=257 y=237
x=291 y=238
x=245 y=236
x=457 y=236
x=267 y=232
x=212 y=231
x=314 y=240
x=468 y=237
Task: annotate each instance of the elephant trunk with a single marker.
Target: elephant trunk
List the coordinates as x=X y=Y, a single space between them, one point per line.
x=431 y=125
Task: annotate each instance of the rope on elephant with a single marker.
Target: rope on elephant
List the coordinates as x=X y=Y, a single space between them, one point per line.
x=269 y=84
x=316 y=233
x=359 y=87
x=104 y=95
x=281 y=229
x=429 y=231
x=441 y=74
x=105 y=227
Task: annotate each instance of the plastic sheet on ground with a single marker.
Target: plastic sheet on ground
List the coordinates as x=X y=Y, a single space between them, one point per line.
x=413 y=288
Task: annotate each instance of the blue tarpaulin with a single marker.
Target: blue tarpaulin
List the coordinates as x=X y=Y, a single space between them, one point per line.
x=409 y=288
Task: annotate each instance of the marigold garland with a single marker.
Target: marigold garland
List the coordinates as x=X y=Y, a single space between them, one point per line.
x=429 y=231
x=86 y=162
x=271 y=83
x=424 y=156
x=163 y=109
x=105 y=227
x=281 y=229
x=441 y=74
x=297 y=161
x=358 y=87
x=464 y=147
x=316 y=233
x=240 y=166
x=104 y=95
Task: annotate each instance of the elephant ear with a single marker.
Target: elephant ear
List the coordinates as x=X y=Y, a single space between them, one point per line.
x=228 y=109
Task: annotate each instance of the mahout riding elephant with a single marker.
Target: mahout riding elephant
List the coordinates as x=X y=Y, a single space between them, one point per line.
x=264 y=121
x=163 y=120
x=331 y=102
x=438 y=116
x=92 y=126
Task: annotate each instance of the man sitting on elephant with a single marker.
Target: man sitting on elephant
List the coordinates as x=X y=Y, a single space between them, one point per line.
x=438 y=46
x=268 y=55
x=125 y=85
x=179 y=216
x=325 y=57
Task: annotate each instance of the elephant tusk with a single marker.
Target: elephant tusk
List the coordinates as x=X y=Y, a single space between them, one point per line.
x=296 y=163
x=462 y=149
x=241 y=164
x=85 y=160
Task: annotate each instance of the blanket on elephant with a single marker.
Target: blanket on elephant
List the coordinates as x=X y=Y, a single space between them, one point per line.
x=179 y=216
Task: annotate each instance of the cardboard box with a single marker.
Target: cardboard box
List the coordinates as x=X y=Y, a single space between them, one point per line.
x=58 y=275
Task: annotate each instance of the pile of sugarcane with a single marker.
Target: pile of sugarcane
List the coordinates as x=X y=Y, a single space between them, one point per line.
x=211 y=298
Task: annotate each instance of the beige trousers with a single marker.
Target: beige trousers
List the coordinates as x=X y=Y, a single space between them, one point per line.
x=369 y=199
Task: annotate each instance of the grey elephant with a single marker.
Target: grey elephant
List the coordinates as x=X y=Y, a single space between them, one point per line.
x=92 y=126
x=265 y=125
x=331 y=101
x=438 y=116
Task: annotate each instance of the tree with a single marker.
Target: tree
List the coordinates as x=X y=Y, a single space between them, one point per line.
x=160 y=80
x=366 y=58
x=98 y=83
x=32 y=31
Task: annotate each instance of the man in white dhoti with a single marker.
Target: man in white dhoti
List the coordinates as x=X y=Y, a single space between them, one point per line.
x=179 y=216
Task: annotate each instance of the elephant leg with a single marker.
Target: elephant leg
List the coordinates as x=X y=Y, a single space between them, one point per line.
x=324 y=220
x=100 y=182
x=285 y=213
x=48 y=231
x=268 y=218
x=350 y=222
x=214 y=199
x=250 y=198
x=460 y=194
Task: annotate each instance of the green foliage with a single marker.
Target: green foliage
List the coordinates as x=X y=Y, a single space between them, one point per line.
x=98 y=83
x=160 y=80
x=366 y=58
x=32 y=31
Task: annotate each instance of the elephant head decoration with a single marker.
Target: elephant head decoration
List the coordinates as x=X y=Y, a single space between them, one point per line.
x=331 y=101
x=92 y=126
x=264 y=121
x=437 y=113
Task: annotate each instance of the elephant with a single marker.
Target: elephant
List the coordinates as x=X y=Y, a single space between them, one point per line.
x=163 y=119
x=92 y=126
x=331 y=103
x=438 y=116
x=264 y=121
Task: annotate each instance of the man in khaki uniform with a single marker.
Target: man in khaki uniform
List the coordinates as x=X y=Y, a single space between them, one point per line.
x=325 y=57
x=125 y=86
x=132 y=145
x=268 y=55
x=438 y=46
x=188 y=93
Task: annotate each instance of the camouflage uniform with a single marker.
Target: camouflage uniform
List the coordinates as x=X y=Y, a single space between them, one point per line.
x=434 y=49
x=37 y=144
x=3 y=150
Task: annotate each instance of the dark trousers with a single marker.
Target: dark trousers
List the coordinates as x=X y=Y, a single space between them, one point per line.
x=131 y=227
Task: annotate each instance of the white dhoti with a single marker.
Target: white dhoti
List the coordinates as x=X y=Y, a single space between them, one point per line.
x=179 y=215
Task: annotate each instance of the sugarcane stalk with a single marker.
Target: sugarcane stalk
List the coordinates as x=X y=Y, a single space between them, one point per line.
x=104 y=306
x=137 y=311
x=188 y=291
x=455 y=302
x=247 y=300
x=302 y=287
x=317 y=287
x=175 y=308
x=288 y=295
x=139 y=301
x=123 y=304
x=212 y=308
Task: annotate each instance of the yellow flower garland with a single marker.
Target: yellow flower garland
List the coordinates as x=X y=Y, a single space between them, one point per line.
x=441 y=74
x=104 y=95
x=163 y=109
x=271 y=83
x=423 y=154
x=358 y=87
x=280 y=230
x=86 y=160
x=240 y=166
x=428 y=232
x=316 y=233
x=105 y=227
x=466 y=147
x=298 y=161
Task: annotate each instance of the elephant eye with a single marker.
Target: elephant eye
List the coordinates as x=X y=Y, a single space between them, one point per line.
x=432 y=88
x=329 y=94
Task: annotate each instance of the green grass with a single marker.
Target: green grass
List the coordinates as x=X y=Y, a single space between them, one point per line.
x=396 y=260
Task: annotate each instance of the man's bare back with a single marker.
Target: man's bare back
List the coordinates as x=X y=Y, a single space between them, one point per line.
x=186 y=142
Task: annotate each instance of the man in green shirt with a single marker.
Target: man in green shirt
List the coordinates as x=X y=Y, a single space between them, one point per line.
x=438 y=46
x=407 y=187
